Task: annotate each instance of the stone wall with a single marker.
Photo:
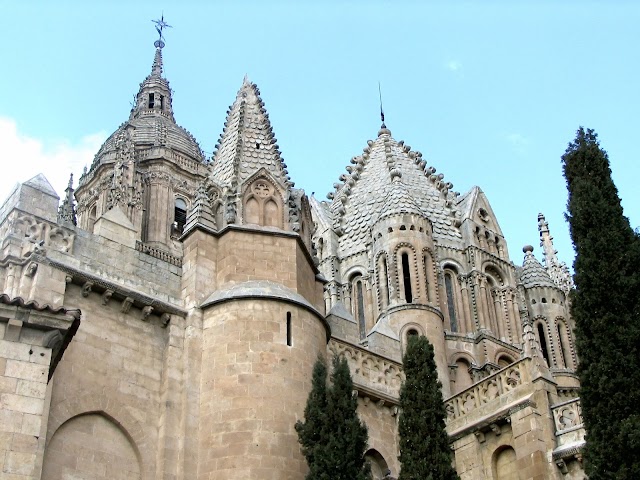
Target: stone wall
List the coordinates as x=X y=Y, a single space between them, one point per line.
x=113 y=371
x=254 y=388
x=31 y=342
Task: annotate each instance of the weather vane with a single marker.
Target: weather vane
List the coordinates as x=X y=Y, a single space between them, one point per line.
x=160 y=24
x=381 y=111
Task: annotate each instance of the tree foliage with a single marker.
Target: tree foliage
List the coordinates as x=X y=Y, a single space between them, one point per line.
x=311 y=432
x=606 y=308
x=425 y=453
x=333 y=438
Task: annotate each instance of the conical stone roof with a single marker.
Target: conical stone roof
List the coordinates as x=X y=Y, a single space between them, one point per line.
x=533 y=273
x=247 y=143
x=368 y=190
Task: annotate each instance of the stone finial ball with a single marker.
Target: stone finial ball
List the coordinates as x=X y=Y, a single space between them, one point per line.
x=527 y=249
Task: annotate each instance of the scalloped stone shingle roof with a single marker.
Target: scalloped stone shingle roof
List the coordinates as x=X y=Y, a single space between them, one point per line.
x=369 y=189
x=533 y=273
x=247 y=142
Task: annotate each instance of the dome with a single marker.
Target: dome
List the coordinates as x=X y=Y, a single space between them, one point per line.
x=151 y=122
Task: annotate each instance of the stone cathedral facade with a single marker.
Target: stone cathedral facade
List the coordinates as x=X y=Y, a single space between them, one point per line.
x=163 y=321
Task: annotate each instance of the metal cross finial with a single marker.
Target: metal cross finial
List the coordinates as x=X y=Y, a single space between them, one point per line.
x=160 y=24
x=381 y=111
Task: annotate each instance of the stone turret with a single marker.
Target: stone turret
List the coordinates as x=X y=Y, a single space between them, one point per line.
x=548 y=312
x=149 y=168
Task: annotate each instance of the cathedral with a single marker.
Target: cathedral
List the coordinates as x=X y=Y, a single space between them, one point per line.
x=162 y=319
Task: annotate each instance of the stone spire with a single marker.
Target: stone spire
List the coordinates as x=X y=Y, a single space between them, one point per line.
x=558 y=271
x=67 y=211
x=154 y=96
x=247 y=143
x=247 y=146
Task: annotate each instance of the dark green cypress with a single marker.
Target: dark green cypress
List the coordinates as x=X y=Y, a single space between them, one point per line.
x=311 y=431
x=606 y=308
x=342 y=457
x=425 y=453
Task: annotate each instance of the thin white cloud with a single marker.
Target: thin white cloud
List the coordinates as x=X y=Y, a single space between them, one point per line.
x=453 y=65
x=24 y=157
x=518 y=141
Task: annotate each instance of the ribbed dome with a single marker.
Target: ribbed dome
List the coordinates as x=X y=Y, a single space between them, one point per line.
x=533 y=273
x=151 y=122
x=153 y=129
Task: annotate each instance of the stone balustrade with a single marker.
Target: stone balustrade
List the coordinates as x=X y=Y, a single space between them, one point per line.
x=500 y=387
x=371 y=373
x=159 y=254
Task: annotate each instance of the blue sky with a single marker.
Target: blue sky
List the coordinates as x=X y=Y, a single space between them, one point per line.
x=490 y=92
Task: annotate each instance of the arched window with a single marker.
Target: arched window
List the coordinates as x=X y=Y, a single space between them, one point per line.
x=542 y=339
x=357 y=303
x=92 y=218
x=262 y=204
x=505 y=463
x=463 y=375
x=406 y=278
x=383 y=281
x=451 y=300
x=504 y=361
x=179 y=215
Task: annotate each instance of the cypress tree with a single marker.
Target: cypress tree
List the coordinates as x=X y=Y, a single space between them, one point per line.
x=311 y=431
x=342 y=456
x=606 y=308
x=425 y=453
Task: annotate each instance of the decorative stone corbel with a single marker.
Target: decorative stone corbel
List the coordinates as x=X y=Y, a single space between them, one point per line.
x=394 y=411
x=562 y=466
x=31 y=269
x=480 y=436
x=52 y=339
x=12 y=331
x=126 y=305
x=495 y=429
x=106 y=296
x=366 y=401
x=86 y=288
x=146 y=311
x=68 y=279
x=165 y=318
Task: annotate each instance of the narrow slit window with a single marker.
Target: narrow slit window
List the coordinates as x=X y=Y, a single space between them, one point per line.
x=151 y=100
x=162 y=102
x=451 y=305
x=384 y=282
x=360 y=309
x=289 y=329
x=406 y=276
x=425 y=264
